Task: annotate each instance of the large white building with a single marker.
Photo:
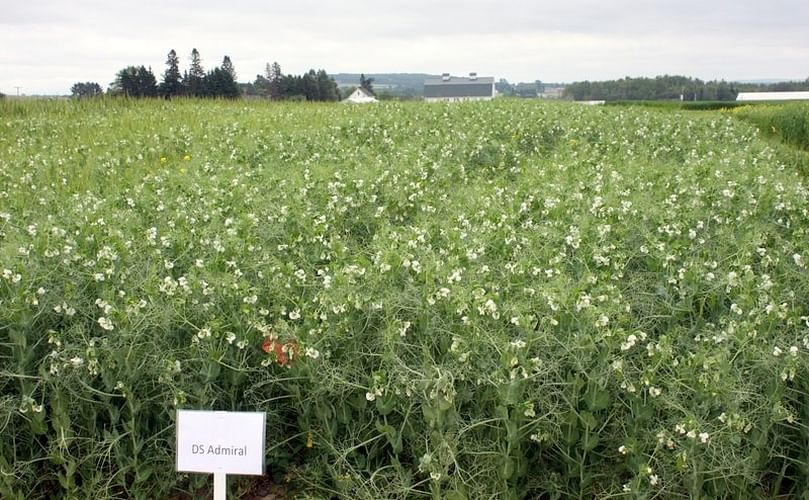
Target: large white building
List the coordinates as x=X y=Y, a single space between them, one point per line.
x=455 y=88
x=772 y=96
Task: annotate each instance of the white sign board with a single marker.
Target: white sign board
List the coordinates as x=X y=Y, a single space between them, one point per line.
x=223 y=442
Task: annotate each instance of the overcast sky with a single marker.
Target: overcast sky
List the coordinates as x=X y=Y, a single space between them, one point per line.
x=47 y=45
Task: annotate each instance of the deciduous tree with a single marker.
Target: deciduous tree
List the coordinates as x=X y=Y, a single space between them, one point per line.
x=135 y=81
x=327 y=87
x=219 y=83
x=86 y=89
x=275 y=76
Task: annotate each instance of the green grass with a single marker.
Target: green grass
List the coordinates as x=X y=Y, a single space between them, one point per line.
x=506 y=299
x=788 y=122
x=680 y=105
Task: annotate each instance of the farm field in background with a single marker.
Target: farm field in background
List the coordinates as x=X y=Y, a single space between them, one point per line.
x=497 y=300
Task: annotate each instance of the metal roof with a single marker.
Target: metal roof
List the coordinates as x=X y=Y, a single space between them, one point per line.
x=459 y=87
x=772 y=96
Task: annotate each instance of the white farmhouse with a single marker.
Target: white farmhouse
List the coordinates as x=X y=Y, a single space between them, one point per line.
x=361 y=96
x=454 y=88
x=772 y=96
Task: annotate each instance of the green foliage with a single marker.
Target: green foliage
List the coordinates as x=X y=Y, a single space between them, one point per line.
x=789 y=122
x=193 y=78
x=311 y=86
x=788 y=86
x=86 y=89
x=219 y=83
x=172 y=84
x=681 y=105
x=274 y=78
x=135 y=81
x=505 y=299
x=227 y=67
x=658 y=88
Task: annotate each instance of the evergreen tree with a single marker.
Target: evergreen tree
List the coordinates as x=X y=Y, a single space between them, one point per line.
x=147 y=83
x=171 y=84
x=193 y=80
x=227 y=65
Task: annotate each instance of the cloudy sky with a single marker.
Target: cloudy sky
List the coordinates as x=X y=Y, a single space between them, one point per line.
x=47 y=45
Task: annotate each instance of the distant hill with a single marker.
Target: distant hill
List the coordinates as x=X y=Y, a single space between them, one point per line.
x=395 y=83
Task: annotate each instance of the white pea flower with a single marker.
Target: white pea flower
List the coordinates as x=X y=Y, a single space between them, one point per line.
x=629 y=343
x=105 y=323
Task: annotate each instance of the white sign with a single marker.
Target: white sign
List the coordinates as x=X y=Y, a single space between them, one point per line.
x=223 y=442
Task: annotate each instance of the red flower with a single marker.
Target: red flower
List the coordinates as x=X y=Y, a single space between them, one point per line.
x=285 y=352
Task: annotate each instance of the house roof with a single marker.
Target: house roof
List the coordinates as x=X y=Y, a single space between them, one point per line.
x=363 y=91
x=459 y=87
x=360 y=95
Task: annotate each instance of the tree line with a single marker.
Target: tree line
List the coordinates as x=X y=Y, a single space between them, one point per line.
x=650 y=89
x=774 y=87
x=275 y=85
x=140 y=81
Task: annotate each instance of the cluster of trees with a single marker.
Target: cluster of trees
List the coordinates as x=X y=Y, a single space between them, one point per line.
x=650 y=89
x=138 y=81
x=310 y=86
x=86 y=89
x=134 y=81
x=521 y=89
x=774 y=87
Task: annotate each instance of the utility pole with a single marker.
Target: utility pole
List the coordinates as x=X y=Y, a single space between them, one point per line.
x=18 y=91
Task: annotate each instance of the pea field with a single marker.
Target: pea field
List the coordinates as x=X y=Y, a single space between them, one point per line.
x=500 y=300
